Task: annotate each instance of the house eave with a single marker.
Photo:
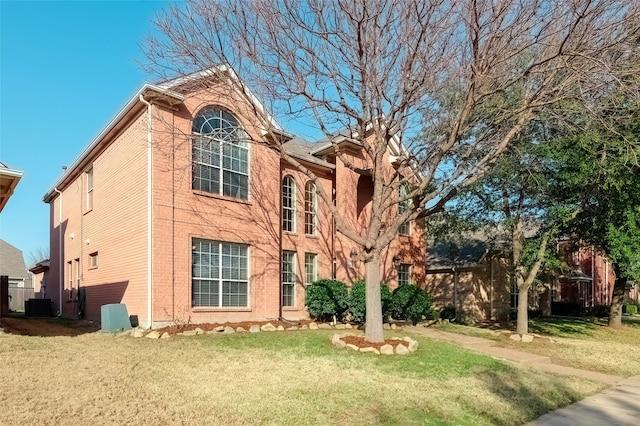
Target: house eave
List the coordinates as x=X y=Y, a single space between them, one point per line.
x=149 y=92
x=9 y=179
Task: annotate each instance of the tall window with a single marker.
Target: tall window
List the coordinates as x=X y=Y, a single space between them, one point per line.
x=404 y=274
x=219 y=276
x=70 y=280
x=403 y=206
x=310 y=267
x=77 y=273
x=288 y=204
x=288 y=278
x=89 y=178
x=310 y=209
x=220 y=154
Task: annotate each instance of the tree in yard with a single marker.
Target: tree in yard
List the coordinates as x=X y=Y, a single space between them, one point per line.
x=452 y=83
x=511 y=205
x=599 y=171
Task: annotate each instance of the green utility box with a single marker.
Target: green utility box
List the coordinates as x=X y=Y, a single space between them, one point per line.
x=114 y=318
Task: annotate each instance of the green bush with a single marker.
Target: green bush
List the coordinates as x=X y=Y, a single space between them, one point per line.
x=326 y=298
x=631 y=309
x=358 y=301
x=448 y=312
x=411 y=302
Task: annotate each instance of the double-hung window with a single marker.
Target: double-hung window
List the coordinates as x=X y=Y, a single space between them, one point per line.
x=220 y=154
x=403 y=206
x=89 y=178
x=288 y=278
x=220 y=274
x=404 y=274
x=310 y=267
x=310 y=209
x=288 y=204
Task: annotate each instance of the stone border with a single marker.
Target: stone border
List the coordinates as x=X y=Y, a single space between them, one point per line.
x=405 y=346
x=255 y=328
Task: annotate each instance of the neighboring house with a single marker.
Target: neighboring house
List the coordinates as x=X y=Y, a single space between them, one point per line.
x=19 y=286
x=39 y=277
x=181 y=210
x=472 y=277
x=588 y=280
x=9 y=179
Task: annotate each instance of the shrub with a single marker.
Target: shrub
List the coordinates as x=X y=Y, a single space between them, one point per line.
x=448 y=313
x=326 y=298
x=358 y=301
x=631 y=309
x=410 y=302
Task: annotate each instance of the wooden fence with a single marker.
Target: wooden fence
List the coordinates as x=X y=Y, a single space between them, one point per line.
x=17 y=296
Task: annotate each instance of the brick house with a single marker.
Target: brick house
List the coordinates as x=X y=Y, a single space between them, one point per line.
x=181 y=209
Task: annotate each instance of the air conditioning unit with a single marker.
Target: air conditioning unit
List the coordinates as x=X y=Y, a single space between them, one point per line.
x=114 y=318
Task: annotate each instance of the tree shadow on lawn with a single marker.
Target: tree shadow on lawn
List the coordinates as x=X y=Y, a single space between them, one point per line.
x=46 y=327
x=564 y=327
x=526 y=402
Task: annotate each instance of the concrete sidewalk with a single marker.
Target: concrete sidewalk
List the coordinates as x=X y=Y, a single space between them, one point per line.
x=618 y=405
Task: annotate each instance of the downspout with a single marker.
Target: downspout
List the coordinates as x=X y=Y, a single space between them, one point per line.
x=280 y=253
x=491 y=278
x=593 y=276
x=149 y=212
x=60 y=254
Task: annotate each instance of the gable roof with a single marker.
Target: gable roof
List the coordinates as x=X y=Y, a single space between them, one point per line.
x=9 y=179
x=302 y=150
x=12 y=263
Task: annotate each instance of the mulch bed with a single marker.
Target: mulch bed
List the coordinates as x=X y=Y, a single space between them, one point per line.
x=174 y=329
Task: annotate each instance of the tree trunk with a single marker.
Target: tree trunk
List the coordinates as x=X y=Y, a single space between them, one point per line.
x=522 y=324
x=615 y=312
x=373 y=332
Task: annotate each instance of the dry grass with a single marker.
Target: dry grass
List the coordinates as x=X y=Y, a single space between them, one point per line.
x=580 y=343
x=266 y=378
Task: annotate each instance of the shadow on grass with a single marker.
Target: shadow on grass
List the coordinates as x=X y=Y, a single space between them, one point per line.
x=17 y=323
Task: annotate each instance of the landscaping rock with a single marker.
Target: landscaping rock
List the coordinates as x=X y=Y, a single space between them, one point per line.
x=394 y=327
x=280 y=328
x=340 y=344
x=165 y=335
x=335 y=338
x=325 y=326
x=313 y=326
x=255 y=328
x=137 y=332
x=348 y=326
x=386 y=350
x=515 y=337
x=219 y=329
x=268 y=327
x=188 y=333
x=402 y=350
x=371 y=350
x=386 y=326
x=292 y=328
x=527 y=338
x=198 y=331
x=153 y=335
x=304 y=327
x=340 y=326
x=241 y=330
x=228 y=330
x=352 y=347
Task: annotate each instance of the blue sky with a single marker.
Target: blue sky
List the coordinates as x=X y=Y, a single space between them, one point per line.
x=66 y=68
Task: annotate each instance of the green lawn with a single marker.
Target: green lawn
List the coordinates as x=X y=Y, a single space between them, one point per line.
x=578 y=343
x=267 y=378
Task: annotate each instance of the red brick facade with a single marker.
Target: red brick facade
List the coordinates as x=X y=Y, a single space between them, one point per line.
x=124 y=218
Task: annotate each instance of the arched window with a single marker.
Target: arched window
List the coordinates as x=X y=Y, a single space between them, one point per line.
x=288 y=204
x=220 y=154
x=310 y=209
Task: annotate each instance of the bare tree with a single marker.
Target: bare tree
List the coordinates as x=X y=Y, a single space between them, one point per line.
x=452 y=82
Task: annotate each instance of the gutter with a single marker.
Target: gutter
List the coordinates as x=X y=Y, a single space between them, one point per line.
x=149 y=212
x=60 y=254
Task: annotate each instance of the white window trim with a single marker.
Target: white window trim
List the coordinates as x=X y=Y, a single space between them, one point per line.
x=293 y=204
x=314 y=211
x=292 y=283
x=314 y=265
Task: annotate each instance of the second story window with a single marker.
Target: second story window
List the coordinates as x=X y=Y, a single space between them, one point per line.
x=89 y=182
x=220 y=154
x=403 y=206
x=288 y=204
x=310 y=209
